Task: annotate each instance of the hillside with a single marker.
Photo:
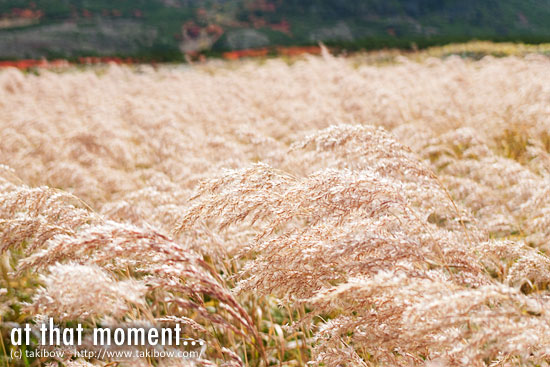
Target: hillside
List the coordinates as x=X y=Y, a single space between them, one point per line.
x=165 y=29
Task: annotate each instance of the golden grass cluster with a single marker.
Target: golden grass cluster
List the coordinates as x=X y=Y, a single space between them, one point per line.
x=326 y=212
x=481 y=48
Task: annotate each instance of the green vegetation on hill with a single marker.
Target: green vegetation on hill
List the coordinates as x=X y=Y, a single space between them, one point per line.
x=167 y=29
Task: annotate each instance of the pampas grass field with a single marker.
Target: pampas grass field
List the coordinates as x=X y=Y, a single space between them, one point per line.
x=326 y=211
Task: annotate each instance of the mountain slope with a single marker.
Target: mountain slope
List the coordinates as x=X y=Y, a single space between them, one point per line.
x=165 y=29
